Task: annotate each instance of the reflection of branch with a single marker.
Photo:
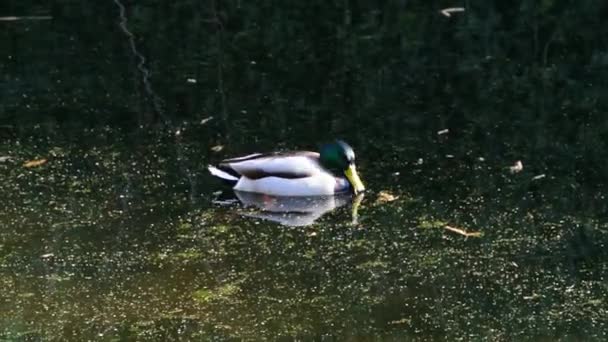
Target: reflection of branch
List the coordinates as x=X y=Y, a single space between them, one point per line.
x=141 y=65
x=462 y=232
x=355 y=209
x=220 y=57
x=546 y=47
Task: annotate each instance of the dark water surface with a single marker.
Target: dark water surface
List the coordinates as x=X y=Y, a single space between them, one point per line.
x=120 y=233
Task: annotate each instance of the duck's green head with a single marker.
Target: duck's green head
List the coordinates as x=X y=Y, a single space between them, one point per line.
x=340 y=157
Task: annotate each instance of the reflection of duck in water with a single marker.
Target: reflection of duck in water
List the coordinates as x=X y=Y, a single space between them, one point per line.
x=294 y=211
x=301 y=173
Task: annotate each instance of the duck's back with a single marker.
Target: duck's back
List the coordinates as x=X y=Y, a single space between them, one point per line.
x=291 y=165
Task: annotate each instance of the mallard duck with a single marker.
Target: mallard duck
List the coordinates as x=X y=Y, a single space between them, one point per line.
x=300 y=173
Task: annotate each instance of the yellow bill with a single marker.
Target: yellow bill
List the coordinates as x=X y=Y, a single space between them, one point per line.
x=353 y=178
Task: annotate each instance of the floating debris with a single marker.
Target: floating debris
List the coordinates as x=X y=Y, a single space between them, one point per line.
x=537 y=177
x=420 y=161
x=191 y=80
x=517 y=167
x=226 y=202
x=205 y=120
x=217 y=148
x=401 y=321
x=34 y=163
x=4 y=159
x=443 y=131
x=462 y=231
x=448 y=11
x=449 y=156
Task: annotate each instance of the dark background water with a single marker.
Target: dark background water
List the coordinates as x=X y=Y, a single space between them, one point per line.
x=117 y=236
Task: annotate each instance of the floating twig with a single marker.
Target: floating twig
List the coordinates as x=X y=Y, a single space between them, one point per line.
x=32 y=17
x=462 y=231
x=448 y=11
x=537 y=177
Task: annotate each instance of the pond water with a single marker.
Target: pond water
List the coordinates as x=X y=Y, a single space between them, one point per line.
x=483 y=155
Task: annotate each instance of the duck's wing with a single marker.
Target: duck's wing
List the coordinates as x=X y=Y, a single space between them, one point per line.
x=282 y=164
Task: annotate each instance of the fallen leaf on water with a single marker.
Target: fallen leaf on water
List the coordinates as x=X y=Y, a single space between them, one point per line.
x=34 y=162
x=385 y=197
x=462 y=231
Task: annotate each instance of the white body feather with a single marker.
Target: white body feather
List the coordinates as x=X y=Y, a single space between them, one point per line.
x=317 y=185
